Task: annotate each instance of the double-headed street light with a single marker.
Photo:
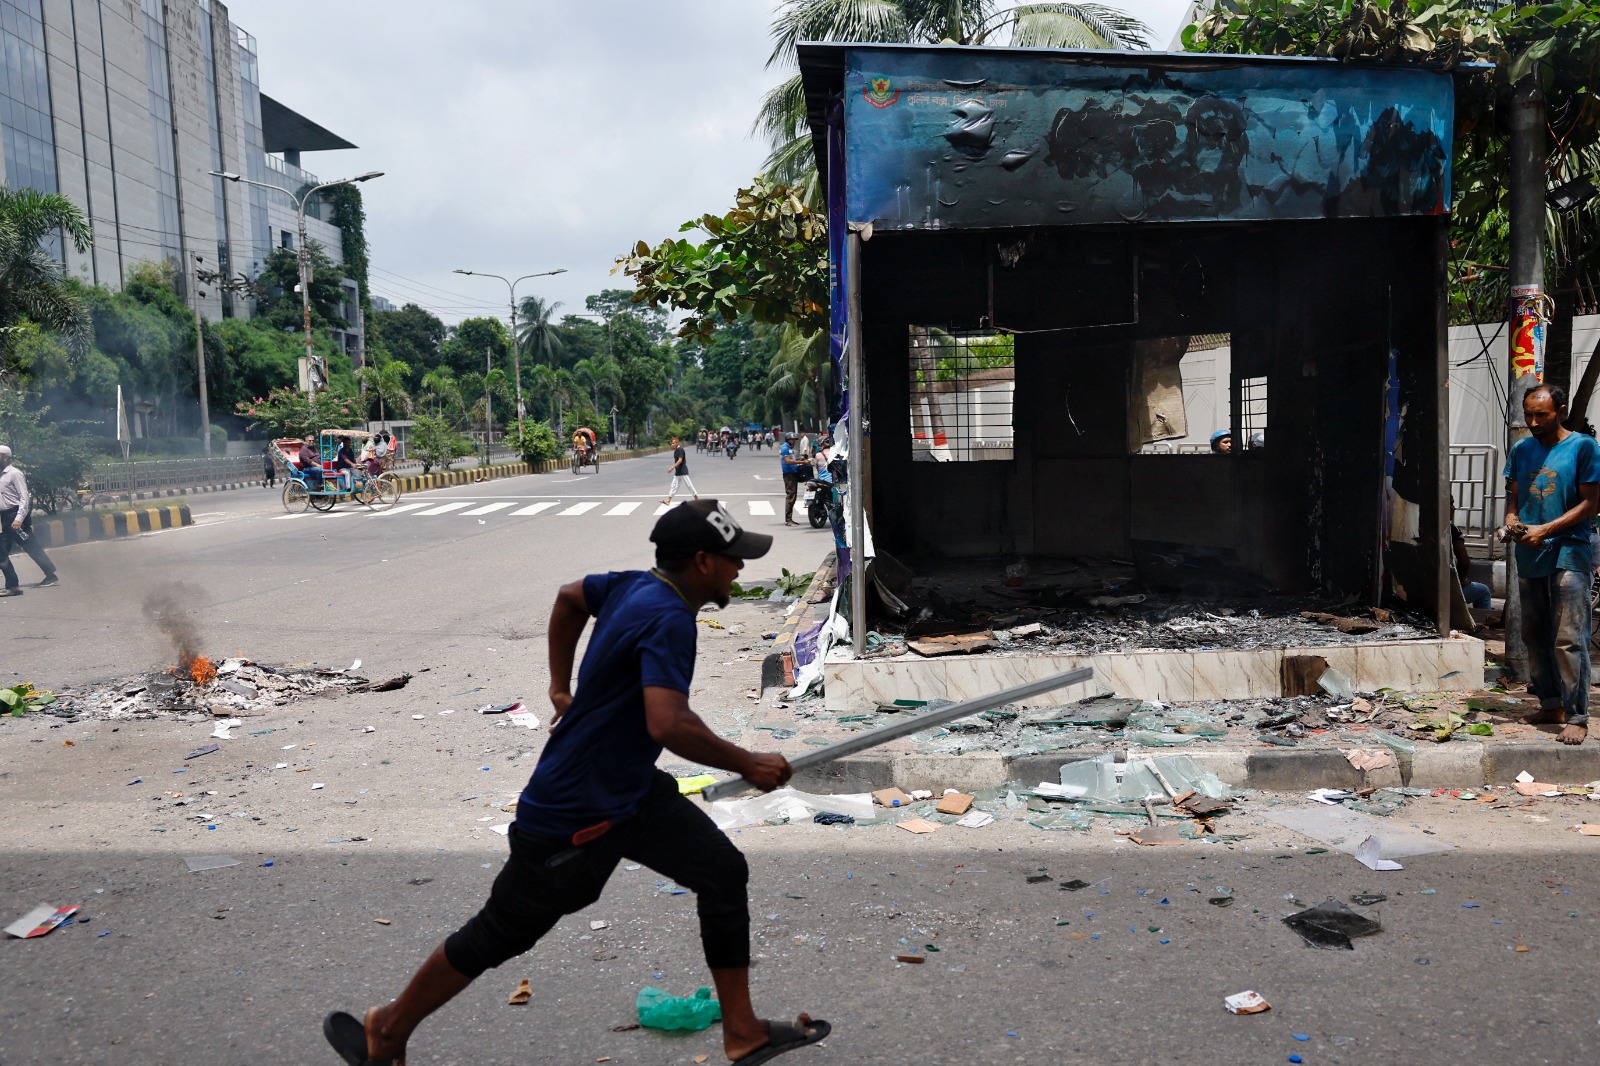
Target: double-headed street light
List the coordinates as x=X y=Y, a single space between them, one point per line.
x=302 y=252
x=511 y=286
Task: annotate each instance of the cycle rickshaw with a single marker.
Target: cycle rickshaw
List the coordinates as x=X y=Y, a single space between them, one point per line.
x=300 y=492
x=585 y=450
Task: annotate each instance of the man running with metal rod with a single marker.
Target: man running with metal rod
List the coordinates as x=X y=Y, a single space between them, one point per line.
x=596 y=796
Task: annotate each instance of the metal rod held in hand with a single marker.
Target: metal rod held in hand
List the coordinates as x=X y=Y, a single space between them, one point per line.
x=861 y=742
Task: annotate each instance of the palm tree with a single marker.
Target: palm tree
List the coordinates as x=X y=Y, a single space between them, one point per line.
x=388 y=384
x=438 y=387
x=800 y=377
x=782 y=118
x=31 y=280
x=536 y=330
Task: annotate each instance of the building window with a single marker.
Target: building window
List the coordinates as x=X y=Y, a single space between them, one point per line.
x=29 y=140
x=1252 y=420
x=962 y=385
x=285 y=239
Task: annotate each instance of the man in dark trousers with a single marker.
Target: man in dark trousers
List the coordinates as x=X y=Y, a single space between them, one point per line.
x=1552 y=491
x=596 y=796
x=790 y=458
x=16 y=527
x=680 y=472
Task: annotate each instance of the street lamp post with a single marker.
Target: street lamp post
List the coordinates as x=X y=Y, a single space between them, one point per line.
x=511 y=287
x=302 y=252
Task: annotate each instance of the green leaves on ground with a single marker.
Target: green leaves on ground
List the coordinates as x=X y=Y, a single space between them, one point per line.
x=20 y=698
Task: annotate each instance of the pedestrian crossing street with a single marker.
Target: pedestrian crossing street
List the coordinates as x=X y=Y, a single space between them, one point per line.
x=520 y=508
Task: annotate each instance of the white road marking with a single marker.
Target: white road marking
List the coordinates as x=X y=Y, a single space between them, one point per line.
x=579 y=508
x=623 y=508
x=536 y=508
x=445 y=508
x=285 y=517
x=489 y=508
x=663 y=508
x=760 y=507
x=399 y=508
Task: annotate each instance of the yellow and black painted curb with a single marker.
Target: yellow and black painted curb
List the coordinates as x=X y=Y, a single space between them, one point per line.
x=105 y=525
x=444 y=479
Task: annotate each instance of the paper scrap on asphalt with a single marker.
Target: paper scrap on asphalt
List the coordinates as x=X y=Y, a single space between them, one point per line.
x=1365 y=759
x=220 y=729
x=1369 y=853
x=39 y=921
x=503 y=830
x=200 y=863
x=918 y=826
x=1246 y=1003
x=976 y=820
x=737 y=813
x=524 y=717
x=1345 y=830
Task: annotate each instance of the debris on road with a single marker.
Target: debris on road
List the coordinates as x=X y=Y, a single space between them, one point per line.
x=40 y=921
x=385 y=686
x=1331 y=924
x=520 y=996
x=1246 y=1003
x=659 y=1010
x=891 y=797
x=201 y=863
x=918 y=826
x=204 y=750
x=236 y=688
x=953 y=802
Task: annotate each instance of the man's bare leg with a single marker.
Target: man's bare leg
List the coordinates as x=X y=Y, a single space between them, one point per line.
x=1547 y=716
x=1574 y=734
x=432 y=986
x=742 y=1032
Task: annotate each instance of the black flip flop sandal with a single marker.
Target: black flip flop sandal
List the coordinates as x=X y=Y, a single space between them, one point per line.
x=348 y=1037
x=785 y=1037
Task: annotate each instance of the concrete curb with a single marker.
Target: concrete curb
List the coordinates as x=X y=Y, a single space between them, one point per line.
x=191 y=490
x=1456 y=764
x=778 y=666
x=106 y=525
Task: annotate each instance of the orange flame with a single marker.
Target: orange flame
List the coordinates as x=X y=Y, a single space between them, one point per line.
x=201 y=670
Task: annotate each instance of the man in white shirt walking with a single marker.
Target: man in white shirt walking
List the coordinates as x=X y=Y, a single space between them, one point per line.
x=16 y=527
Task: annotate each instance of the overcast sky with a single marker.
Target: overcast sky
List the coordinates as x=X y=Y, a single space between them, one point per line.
x=524 y=135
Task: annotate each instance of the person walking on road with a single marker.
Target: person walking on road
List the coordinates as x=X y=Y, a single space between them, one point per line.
x=1552 y=493
x=679 y=472
x=16 y=527
x=269 y=469
x=596 y=796
x=790 y=459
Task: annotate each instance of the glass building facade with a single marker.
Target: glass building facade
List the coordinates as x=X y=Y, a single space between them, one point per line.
x=163 y=139
x=208 y=59
x=28 y=137
x=253 y=150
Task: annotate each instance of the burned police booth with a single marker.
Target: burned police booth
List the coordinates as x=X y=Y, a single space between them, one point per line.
x=1038 y=252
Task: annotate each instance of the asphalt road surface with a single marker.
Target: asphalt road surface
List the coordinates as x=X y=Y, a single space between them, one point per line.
x=239 y=964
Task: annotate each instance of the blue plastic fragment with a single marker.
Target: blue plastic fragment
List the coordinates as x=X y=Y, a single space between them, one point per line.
x=97 y=936
x=136 y=780
x=1296 y=1058
x=1011 y=1032
x=1163 y=902
x=1470 y=906
x=1166 y=941
x=267 y=863
x=1300 y=1036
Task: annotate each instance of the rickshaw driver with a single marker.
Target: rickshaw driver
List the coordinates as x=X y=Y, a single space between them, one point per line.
x=310 y=463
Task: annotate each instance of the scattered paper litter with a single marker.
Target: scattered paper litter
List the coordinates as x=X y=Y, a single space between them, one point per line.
x=1524 y=777
x=1536 y=788
x=1246 y=1003
x=416 y=718
x=220 y=729
x=1331 y=796
x=1587 y=829
x=524 y=717
x=316 y=786
x=599 y=924
x=918 y=826
x=201 y=863
x=1369 y=853
x=737 y=813
x=503 y=830
x=976 y=820
x=1366 y=759
x=523 y=993
x=39 y=921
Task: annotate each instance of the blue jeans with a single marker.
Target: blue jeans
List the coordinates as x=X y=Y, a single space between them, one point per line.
x=1476 y=593
x=1555 y=628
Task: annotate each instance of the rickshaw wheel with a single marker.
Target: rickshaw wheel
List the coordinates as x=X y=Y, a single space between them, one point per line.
x=384 y=492
x=324 y=502
x=295 y=497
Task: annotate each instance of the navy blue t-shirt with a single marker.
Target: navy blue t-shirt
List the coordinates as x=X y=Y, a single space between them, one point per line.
x=599 y=761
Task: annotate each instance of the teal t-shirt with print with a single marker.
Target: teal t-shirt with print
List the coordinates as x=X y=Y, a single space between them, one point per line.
x=1547 y=479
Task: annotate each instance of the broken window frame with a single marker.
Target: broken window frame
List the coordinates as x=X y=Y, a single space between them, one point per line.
x=952 y=430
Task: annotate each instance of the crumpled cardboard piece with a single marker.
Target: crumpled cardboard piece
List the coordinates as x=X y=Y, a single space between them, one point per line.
x=1368 y=759
x=523 y=993
x=919 y=826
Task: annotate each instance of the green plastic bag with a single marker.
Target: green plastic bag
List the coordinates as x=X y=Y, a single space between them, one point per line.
x=659 y=1010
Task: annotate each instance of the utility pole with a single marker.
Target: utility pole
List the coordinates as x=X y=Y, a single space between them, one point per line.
x=200 y=363
x=1529 y=307
x=488 y=413
x=511 y=290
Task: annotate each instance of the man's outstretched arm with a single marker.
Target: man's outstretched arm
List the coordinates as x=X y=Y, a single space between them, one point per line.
x=567 y=619
x=678 y=729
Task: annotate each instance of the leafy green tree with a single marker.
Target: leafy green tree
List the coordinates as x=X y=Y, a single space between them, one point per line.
x=288 y=412
x=436 y=443
x=644 y=368
x=32 y=284
x=534 y=441
x=410 y=334
x=384 y=390
x=279 y=279
x=53 y=462
x=440 y=389
x=463 y=351
x=782 y=118
x=766 y=259
x=536 y=330
x=735 y=360
x=800 y=377
x=582 y=338
x=609 y=303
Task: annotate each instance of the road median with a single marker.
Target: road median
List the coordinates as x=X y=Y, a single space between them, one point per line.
x=61 y=530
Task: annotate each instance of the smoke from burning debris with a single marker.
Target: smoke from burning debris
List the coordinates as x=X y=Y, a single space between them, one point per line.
x=167 y=609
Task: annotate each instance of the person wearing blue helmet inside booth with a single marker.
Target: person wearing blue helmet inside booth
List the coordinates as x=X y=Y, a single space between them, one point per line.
x=1222 y=441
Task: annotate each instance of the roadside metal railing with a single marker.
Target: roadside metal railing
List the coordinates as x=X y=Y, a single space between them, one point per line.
x=150 y=474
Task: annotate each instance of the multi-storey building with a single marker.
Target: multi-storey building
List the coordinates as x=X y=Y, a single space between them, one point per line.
x=126 y=107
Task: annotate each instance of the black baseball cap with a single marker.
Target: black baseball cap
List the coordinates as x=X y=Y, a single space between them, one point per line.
x=706 y=526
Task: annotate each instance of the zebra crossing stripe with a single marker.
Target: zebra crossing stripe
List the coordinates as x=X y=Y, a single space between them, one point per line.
x=399 y=508
x=446 y=508
x=579 y=508
x=489 y=508
x=623 y=509
x=760 y=507
x=535 y=508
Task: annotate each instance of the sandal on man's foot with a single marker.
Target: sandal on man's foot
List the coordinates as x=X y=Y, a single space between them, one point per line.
x=349 y=1038
x=785 y=1037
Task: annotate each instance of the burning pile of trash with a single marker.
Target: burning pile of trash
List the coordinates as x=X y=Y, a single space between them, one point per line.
x=200 y=686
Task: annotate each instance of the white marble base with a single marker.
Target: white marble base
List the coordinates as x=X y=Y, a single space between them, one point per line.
x=1441 y=665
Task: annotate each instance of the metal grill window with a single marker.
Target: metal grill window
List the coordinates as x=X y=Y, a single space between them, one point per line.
x=1252 y=413
x=962 y=389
